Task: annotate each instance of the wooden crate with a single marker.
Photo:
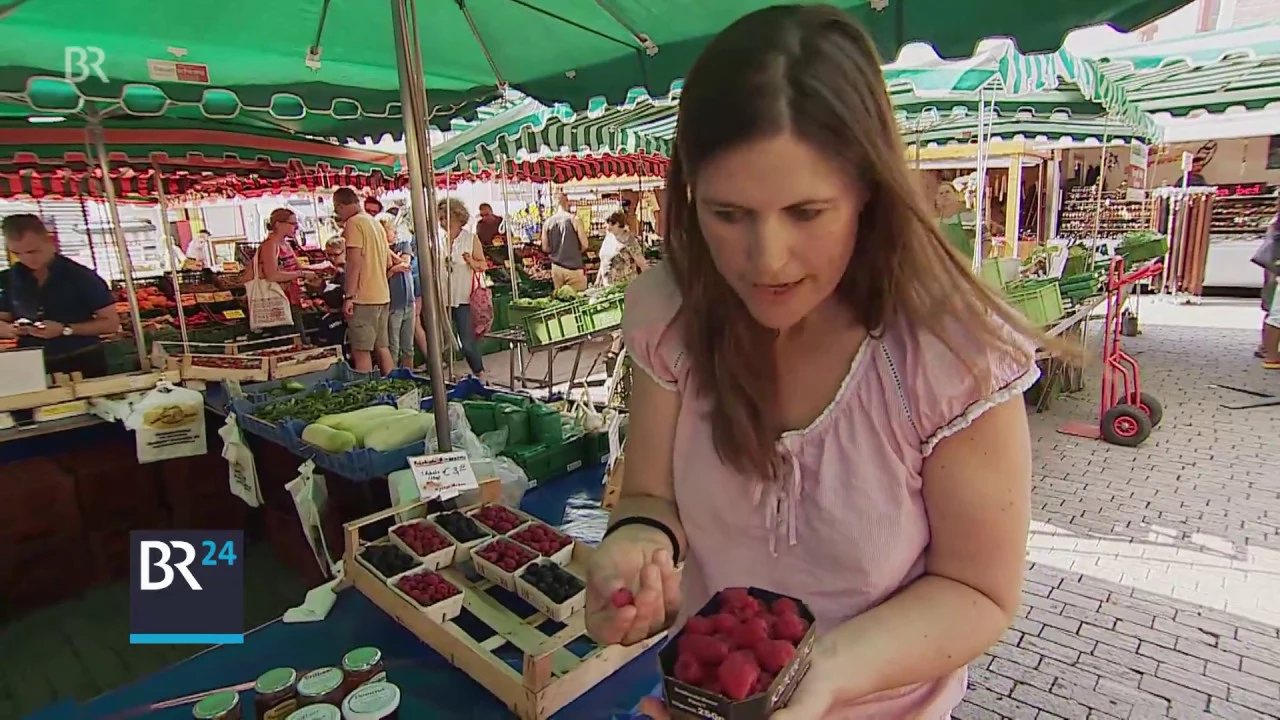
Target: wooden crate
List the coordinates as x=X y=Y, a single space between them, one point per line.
x=61 y=390
x=552 y=675
x=251 y=368
x=122 y=383
x=613 y=485
x=305 y=361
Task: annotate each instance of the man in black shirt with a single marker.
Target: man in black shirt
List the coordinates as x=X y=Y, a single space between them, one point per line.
x=54 y=303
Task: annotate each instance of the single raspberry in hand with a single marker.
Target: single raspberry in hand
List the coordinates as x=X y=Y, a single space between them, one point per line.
x=622 y=597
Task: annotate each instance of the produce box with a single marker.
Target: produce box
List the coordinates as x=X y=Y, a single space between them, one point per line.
x=544 y=425
x=539 y=581
x=554 y=664
x=542 y=463
x=499 y=559
x=564 y=322
x=545 y=541
x=424 y=542
x=430 y=594
x=506 y=398
x=999 y=272
x=1140 y=247
x=386 y=561
x=604 y=313
x=292 y=363
x=219 y=368
x=481 y=415
x=1039 y=300
x=463 y=530
x=705 y=677
x=516 y=422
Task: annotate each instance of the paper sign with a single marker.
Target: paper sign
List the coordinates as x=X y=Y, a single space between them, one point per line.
x=233 y=314
x=233 y=389
x=183 y=72
x=443 y=475
x=222 y=296
x=230 y=267
x=411 y=400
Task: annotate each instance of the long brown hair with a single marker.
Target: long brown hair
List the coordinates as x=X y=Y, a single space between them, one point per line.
x=812 y=71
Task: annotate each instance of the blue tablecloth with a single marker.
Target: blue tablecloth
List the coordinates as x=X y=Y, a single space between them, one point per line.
x=433 y=689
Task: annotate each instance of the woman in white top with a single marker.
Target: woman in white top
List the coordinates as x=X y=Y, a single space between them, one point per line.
x=466 y=258
x=621 y=256
x=200 y=249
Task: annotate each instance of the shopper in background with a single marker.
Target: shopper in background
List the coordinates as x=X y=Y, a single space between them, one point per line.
x=564 y=240
x=367 y=300
x=1268 y=258
x=828 y=401
x=373 y=206
x=51 y=302
x=277 y=260
x=488 y=227
x=466 y=258
x=333 y=324
x=400 y=329
x=200 y=249
x=621 y=257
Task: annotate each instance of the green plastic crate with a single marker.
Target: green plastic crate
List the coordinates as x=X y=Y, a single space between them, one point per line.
x=544 y=424
x=559 y=323
x=481 y=415
x=1151 y=249
x=1000 y=272
x=516 y=314
x=516 y=421
x=1040 y=301
x=605 y=314
x=502 y=398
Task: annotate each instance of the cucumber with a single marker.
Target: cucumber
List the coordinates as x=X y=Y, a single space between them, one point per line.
x=328 y=439
x=343 y=421
x=403 y=431
x=365 y=426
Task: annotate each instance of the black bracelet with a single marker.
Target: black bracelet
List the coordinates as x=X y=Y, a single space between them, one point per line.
x=656 y=525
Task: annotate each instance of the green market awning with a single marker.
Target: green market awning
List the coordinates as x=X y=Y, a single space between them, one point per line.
x=1205 y=73
x=328 y=69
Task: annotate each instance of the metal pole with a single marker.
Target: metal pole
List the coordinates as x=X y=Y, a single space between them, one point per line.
x=506 y=219
x=413 y=98
x=122 y=248
x=446 y=292
x=1097 y=207
x=980 y=204
x=173 y=268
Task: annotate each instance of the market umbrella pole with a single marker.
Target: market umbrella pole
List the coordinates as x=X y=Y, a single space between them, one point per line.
x=506 y=231
x=413 y=98
x=122 y=249
x=173 y=267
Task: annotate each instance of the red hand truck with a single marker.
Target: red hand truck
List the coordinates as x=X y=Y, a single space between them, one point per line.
x=1126 y=414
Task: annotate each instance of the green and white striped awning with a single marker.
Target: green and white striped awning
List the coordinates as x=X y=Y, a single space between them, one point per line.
x=1206 y=73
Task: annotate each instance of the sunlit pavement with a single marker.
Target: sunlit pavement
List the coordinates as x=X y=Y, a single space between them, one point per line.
x=1153 y=587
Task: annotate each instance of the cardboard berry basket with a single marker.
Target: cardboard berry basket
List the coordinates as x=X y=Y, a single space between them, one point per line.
x=442 y=611
x=697 y=701
x=462 y=550
x=502 y=578
x=522 y=517
x=435 y=560
x=535 y=597
x=375 y=571
x=559 y=662
x=560 y=557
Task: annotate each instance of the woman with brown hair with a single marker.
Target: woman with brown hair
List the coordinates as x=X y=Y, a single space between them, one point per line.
x=830 y=403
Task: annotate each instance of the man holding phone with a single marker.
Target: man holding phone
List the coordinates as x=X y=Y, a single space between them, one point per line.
x=51 y=302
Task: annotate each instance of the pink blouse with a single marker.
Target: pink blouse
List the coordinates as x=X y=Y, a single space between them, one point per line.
x=846 y=527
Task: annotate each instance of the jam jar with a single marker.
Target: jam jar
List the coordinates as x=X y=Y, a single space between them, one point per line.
x=372 y=701
x=323 y=711
x=320 y=686
x=362 y=665
x=218 y=706
x=275 y=694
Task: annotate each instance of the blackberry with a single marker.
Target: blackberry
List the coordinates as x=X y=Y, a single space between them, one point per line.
x=462 y=528
x=558 y=584
x=388 y=559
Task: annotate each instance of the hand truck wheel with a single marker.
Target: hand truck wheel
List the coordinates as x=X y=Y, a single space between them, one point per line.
x=1148 y=404
x=1125 y=425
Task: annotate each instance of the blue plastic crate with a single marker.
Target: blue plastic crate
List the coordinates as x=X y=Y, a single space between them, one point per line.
x=338 y=372
x=363 y=464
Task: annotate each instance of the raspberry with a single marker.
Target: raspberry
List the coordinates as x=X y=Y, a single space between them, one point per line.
x=738 y=674
x=698 y=625
x=689 y=670
x=733 y=597
x=785 y=606
x=708 y=650
x=790 y=628
x=749 y=633
x=773 y=655
x=724 y=623
x=762 y=683
x=746 y=609
x=622 y=597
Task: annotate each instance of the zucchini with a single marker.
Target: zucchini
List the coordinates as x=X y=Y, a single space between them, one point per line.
x=344 y=421
x=404 y=431
x=328 y=439
x=365 y=426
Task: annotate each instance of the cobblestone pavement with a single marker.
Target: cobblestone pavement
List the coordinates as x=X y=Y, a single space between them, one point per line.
x=1153 y=587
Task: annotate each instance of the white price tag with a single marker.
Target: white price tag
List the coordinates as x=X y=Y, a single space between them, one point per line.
x=443 y=475
x=411 y=400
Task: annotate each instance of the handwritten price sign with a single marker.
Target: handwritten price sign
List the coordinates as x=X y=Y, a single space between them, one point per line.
x=443 y=475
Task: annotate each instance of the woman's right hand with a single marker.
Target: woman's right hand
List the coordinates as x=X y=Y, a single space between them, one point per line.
x=638 y=559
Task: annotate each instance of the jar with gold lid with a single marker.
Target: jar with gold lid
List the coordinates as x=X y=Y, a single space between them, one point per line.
x=372 y=701
x=218 y=706
x=275 y=694
x=321 y=686
x=363 y=665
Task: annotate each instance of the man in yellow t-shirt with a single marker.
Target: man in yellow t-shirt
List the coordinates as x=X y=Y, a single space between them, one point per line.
x=367 y=298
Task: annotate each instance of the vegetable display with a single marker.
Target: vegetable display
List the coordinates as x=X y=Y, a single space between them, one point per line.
x=323 y=401
x=378 y=427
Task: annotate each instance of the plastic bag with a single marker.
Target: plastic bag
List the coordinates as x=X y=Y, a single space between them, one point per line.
x=495 y=441
x=242 y=472
x=168 y=423
x=481 y=306
x=310 y=495
x=268 y=304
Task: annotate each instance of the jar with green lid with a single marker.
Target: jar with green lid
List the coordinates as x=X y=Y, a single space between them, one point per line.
x=362 y=665
x=322 y=686
x=276 y=694
x=372 y=701
x=323 y=711
x=218 y=706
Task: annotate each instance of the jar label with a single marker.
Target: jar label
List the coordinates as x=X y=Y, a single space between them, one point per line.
x=373 y=698
x=380 y=677
x=281 y=711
